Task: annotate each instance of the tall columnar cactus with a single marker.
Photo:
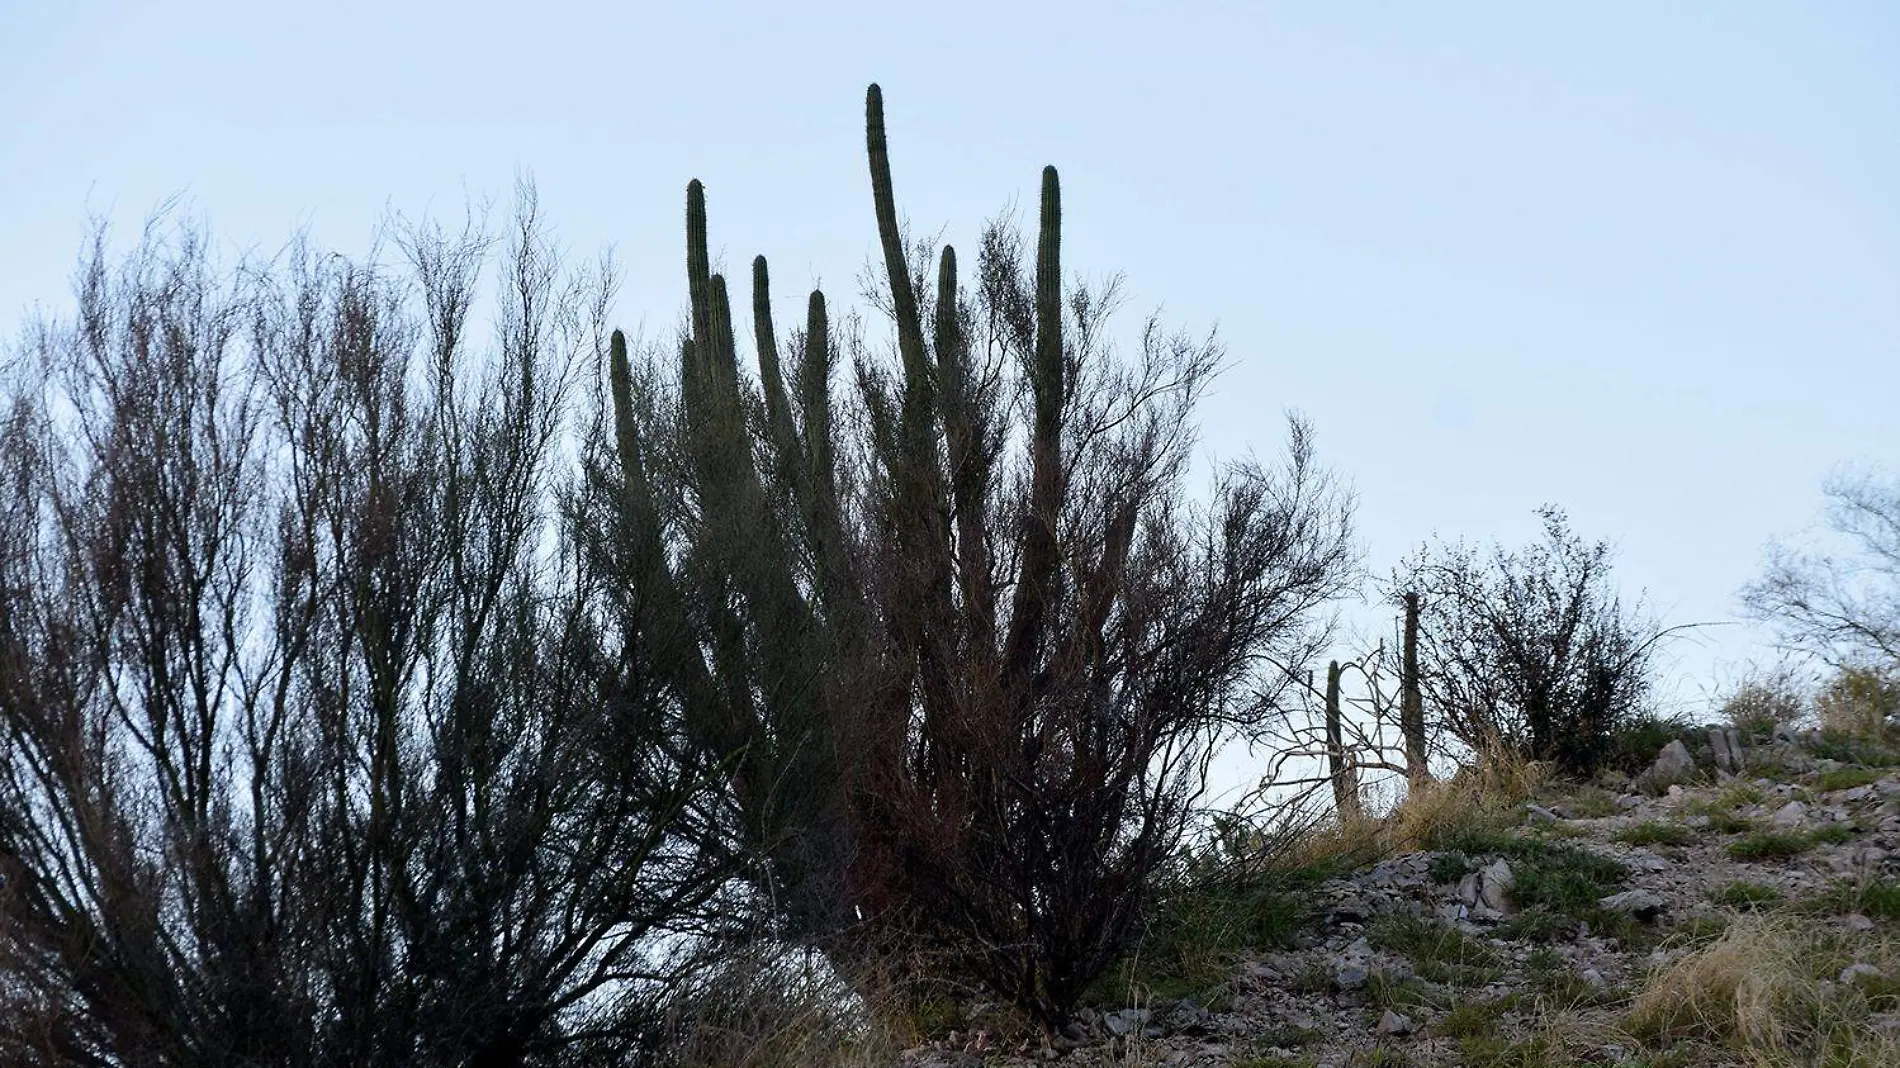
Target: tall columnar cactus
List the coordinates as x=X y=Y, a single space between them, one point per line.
x=1411 y=701
x=1339 y=765
x=744 y=646
x=1040 y=557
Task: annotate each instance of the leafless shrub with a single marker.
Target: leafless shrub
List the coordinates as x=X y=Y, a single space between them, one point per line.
x=1843 y=606
x=321 y=746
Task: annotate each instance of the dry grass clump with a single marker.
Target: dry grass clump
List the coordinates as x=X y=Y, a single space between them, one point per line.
x=1768 y=992
x=764 y=1007
x=1488 y=790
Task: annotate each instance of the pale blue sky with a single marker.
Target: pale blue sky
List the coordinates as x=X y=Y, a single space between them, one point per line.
x=1638 y=259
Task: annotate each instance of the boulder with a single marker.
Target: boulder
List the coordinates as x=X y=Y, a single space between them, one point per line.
x=1792 y=814
x=1395 y=1023
x=1645 y=905
x=1727 y=748
x=1675 y=764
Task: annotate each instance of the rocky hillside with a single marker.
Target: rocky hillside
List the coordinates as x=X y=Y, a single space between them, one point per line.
x=1693 y=916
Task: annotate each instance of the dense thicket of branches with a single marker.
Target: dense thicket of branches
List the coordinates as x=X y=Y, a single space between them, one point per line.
x=321 y=743
x=1531 y=650
x=377 y=694
x=973 y=642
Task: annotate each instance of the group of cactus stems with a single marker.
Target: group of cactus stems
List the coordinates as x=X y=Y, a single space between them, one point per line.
x=762 y=615
x=1343 y=775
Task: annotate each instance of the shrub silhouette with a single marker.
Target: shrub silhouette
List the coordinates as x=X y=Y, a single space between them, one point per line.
x=970 y=663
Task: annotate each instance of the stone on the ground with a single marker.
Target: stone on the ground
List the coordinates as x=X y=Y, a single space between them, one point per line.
x=1645 y=905
x=1395 y=1023
x=1727 y=745
x=1496 y=882
x=1858 y=970
x=1674 y=764
x=1351 y=975
x=1792 y=814
x=1126 y=1021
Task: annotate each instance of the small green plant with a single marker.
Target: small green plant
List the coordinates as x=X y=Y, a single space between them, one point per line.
x=1881 y=899
x=1764 y=700
x=1770 y=845
x=1451 y=867
x=1856 y=749
x=1592 y=802
x=1745 y=896
x=1473 y=1019
x=1832 y=834
x=1655 y=832
x=1439 y=952
x=1538 y=924
x=1489 y=1051
x=1844 y=779
x=1699 y=929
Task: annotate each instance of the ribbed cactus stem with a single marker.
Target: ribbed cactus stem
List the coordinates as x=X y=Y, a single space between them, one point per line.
x=1048 y=377
x=698 y=263
x=949 y=343
x=778 y=414
x=1411 y=701
x=620 y=383
x=814 y=385
x=723 y=355
x=910 y=331
x=1344 y=780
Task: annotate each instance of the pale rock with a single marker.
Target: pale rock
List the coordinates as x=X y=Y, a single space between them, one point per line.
x=1645 y=905
x=1674 y=764
x=1858 y=970
x=1792 y=814
x=1498 y=881
x=1127 y=1021
x=1859 y=923
x=1395 y=1023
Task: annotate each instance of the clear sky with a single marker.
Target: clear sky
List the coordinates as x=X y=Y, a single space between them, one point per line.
x=1641 y=260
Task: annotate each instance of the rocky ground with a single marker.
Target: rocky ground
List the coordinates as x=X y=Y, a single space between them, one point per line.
x=1613 y=923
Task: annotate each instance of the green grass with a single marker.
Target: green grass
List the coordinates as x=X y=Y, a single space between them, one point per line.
x=1881 y=900
x=1833 y=834
x=1770 y=845
x=1848 y=749
x=1592 y=803
x=1537 y=925
x=1845 y=779
x=1438 y=952
x=1878 y=900
x=1730 y=823
x=1451 y=867
x=1490 y=1051
x=1745 y=896
x=1654 y=832
x=1473 y=1019
x=1774 y=845
x=1200 y=924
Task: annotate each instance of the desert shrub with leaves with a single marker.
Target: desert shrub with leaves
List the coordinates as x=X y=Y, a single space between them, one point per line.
x=1530 y=650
